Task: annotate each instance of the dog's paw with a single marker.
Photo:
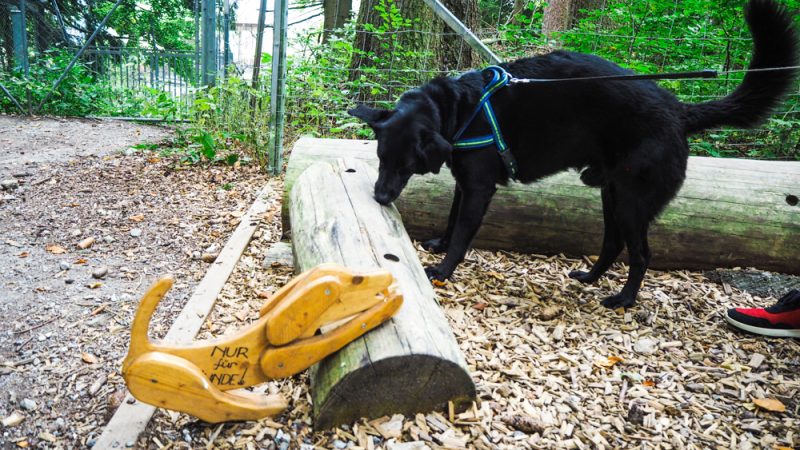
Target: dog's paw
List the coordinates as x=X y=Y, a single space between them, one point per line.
x=618 y=301
x=583 y=277
x=434 y=273
x=435 y=245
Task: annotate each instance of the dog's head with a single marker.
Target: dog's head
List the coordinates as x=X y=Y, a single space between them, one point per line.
x=408 y=143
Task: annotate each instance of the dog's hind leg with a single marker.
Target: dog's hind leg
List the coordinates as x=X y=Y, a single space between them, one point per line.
x=439 y=245
x=612 y=242
x=633 y=218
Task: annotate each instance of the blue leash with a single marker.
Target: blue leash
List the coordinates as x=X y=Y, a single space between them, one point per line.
x=500 y=78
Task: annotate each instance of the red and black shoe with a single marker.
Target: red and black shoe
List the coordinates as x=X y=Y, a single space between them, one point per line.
x=780 y=320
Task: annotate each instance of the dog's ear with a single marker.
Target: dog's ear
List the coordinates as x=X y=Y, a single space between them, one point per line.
x=372 y=116
x=434 y=150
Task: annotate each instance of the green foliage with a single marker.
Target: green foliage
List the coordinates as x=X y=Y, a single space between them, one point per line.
x=228 y=125
x=78 y=95
x=164 y=24
x=318 y=90
x=667 y=35
x=323 y=83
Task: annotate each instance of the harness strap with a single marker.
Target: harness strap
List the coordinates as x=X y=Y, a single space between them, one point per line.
x=500 y=78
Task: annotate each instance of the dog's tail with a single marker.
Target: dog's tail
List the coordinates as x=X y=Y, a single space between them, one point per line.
x=775 y=46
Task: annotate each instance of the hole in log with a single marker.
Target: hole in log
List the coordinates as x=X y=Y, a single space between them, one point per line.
x=350 y=170
x=792 y=200
x=391 y=257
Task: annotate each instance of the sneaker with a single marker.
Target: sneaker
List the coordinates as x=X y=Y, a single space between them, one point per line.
x=780 y=320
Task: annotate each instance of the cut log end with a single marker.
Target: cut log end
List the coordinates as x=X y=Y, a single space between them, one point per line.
x=403 y=385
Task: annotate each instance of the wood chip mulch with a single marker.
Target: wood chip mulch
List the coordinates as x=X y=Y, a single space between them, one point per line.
x=553 y=368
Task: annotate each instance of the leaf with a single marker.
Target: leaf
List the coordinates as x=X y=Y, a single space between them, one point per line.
x=56 y=249
x=611 y=361
x=231 y=159
x=770 y=404
x=137 y=218
x=88 y=358
x=480 y=306
x=209 y=146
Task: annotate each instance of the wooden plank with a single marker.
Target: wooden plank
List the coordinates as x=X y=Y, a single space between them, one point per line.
x=132 y=416
x=729 y=213
x=411 y=363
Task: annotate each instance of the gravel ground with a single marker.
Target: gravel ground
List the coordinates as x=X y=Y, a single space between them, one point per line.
x=66 y=309
x=27 y=141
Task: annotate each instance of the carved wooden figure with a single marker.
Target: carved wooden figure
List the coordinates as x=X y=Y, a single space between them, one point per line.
x=198 y=378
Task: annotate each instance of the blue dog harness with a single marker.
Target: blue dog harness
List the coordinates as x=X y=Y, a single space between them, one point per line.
x=500 y=78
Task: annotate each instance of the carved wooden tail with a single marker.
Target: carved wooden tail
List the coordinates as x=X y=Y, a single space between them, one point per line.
x=140 y=343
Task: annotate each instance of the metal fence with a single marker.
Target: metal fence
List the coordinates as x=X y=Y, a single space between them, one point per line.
x=329 y=70
x=47 y=47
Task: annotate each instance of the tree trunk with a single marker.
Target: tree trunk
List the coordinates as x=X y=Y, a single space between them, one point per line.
x=581 y=7
x=336 y=14
x=556 y=16
x=453 y=53
x=412 y=362
x=420 y=44
x=730 y=212
x=379 y=37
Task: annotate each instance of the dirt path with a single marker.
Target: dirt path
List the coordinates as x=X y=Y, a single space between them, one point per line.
x=26 y=141
x=66 y=311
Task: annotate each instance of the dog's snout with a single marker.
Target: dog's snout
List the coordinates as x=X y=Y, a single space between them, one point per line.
x=383 y=198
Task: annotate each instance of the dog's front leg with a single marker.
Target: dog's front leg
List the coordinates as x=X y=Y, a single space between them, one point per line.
x=439 y=245
x=473 y=205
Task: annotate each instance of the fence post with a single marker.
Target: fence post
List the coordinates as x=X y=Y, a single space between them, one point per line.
x=226 y=30
x=19 y=36
x=262 y=12
x=209 y=42
x=277 y=99
x=197 y=51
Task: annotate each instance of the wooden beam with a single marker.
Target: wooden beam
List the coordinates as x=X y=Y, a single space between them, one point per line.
x=412 y=362
x=730 y=212
x=132 y=416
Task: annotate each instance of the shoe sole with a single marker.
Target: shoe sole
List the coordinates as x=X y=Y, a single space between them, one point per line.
x=772 y=332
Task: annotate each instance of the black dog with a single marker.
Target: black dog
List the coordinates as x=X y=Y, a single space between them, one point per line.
x=627 y=137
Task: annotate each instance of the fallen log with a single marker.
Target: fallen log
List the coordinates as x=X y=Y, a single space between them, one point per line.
x=412 y=362
x=730 y=212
